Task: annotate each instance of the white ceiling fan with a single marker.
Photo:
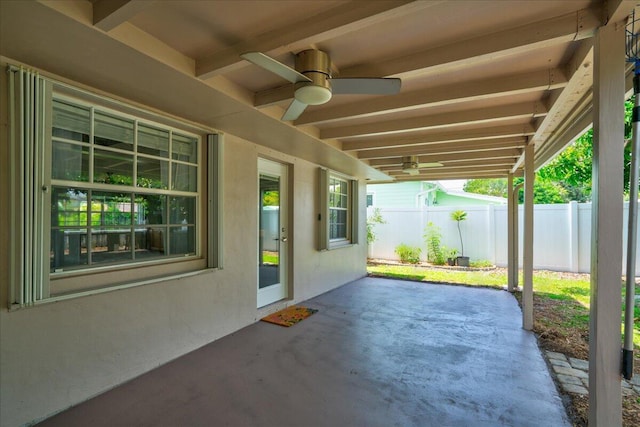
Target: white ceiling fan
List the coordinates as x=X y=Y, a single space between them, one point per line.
x=411 y=166
x=313 y=82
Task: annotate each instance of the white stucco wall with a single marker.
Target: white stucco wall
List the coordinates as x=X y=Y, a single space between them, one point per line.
x=59 y=354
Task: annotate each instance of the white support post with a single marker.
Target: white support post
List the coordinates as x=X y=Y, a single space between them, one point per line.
x=512 y=232
x=527 y=250
x=605 y=401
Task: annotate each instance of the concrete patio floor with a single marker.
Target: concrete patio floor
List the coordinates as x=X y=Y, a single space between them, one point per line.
x=378 y=353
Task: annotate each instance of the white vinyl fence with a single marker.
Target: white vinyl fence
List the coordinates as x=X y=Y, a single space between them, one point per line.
x=561 y=240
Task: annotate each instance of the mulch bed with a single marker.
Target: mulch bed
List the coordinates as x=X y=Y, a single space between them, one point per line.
x=556 y=333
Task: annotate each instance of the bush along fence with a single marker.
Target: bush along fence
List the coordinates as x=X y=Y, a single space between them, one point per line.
x=562 y=234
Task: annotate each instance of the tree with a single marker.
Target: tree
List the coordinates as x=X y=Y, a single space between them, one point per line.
x=271 y=198
x=458 y=216
x=565 y=178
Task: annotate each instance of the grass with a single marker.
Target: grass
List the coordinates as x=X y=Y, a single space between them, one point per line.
x=548 y=284
x=270 y=257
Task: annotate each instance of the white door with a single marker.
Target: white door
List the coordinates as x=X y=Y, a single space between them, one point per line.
x=273 y=233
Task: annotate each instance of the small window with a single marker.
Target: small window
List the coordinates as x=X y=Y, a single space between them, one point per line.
x=338 y=221
x=369 y=199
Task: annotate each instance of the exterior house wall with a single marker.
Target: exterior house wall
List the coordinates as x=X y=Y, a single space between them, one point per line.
x=400 y=195
x=414 y=194
x=58 y=354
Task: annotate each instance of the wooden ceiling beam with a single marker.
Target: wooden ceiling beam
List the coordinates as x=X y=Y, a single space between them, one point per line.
x=108 y=14
x=488 y=47
x=398 y=141
x=329 y=24
x=455 y=147
x=580 y=70
x=434 y=176
x=617 y=10
x=489 y=164
x=539 y=80
x=445 y=170
x=394 y=161
x=452 y=155
x=475 y=116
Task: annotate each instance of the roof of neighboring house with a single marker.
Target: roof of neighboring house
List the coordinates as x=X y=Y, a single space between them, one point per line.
x=455 y=189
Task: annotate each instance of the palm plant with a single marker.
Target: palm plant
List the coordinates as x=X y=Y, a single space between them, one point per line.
x=458 y=216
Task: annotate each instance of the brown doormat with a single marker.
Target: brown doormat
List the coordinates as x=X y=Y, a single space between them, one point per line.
x=289 y=316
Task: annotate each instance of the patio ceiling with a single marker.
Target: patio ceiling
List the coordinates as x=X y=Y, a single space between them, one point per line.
x=480 y=79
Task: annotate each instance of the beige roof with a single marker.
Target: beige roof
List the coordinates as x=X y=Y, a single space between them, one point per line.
x=480 y=79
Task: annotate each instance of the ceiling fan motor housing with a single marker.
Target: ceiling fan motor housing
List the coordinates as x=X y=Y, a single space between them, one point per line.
x=410 y=165
x=315 y=65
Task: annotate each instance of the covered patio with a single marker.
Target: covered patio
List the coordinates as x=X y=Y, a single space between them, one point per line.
x=378 y=352
x=99 y=93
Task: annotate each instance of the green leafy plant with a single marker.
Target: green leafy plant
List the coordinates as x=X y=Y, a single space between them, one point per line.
x=481 y=263
x=449 y=252
x=459 y=216
x=374 y=219
x=433 y=238
x=408 y=254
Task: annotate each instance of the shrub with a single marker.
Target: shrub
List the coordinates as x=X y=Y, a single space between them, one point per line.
x=481 y=263
x=432 y=238
x=375 y=218
x=408 y=254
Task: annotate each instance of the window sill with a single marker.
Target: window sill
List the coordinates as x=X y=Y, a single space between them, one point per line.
x=133 y=284
x=340 y=244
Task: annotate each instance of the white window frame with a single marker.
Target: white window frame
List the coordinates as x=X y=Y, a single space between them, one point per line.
x=31 y=145
x=324 y=240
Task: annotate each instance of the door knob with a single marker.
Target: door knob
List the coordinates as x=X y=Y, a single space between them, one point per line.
x=284 y=239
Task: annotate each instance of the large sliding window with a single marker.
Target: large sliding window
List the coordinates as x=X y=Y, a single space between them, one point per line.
x=122 y=190
x=104 y=194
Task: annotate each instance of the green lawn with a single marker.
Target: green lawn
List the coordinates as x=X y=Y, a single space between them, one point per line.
x=546 y=284
x=270 y=257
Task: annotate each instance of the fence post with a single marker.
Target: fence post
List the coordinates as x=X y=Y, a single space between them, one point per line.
x=491 y=229
x=574 y=232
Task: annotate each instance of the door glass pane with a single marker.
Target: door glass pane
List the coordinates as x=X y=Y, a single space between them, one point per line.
x=269 y=243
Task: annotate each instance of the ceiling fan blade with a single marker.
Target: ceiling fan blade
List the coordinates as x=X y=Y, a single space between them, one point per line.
x=430 y=165
x=294 y=110
x=270 y=64
x=365 y=86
